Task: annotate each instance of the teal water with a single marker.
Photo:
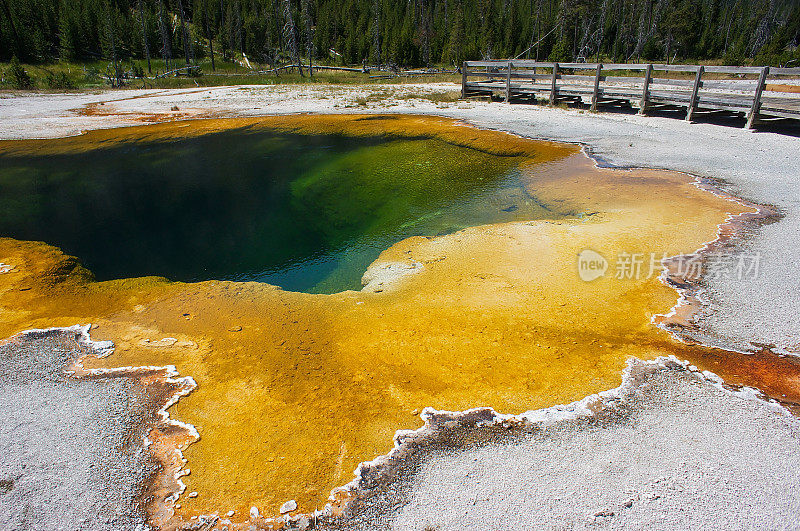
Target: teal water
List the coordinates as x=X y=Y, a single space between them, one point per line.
x=307 y=213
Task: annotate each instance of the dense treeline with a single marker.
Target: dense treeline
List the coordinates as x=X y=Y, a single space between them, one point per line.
x=402 y=32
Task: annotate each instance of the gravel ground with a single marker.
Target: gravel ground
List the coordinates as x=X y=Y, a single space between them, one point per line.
x=763 y=167
x=671 y=451
x=71 y=456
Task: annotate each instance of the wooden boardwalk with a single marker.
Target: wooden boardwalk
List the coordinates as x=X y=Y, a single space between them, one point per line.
x=751 y=91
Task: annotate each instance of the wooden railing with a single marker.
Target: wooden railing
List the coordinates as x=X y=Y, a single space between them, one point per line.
x=752 y=91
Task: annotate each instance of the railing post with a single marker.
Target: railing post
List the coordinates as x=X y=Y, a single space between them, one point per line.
x=695 y=90
x=508 y=82
x=553 y=89
x=464 y=80
x=752 y=118
x=596 y=91
x=648 y=74
x=489 y=78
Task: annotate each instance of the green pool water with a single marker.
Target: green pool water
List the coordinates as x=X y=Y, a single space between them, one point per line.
x=306 y=213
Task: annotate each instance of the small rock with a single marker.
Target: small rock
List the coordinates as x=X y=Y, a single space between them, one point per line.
x=230 y=513
x=604 y=512
x=288 y=507
x=177 y=505
x=628 y=504
x=163 y=342
x=253 y=513
x=192 y=494
x=235 y=329
x=186 y=344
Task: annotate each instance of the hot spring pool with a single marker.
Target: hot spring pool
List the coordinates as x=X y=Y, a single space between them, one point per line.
x=307 y=212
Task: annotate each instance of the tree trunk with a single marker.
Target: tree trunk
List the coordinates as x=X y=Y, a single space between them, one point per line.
x=642 y=34
x=17 y=42
x=538 y=26
x=425 y=33
x=165 y=38
x=111 y=33
x=669 y=42
x=187 y=47
x=211 y=46
x=290 y=31
x=239 y=34
x=222 y=28
x=376 y=32
x=144 y=38
x=276 y=9
x=601 y=30
x=307 y=22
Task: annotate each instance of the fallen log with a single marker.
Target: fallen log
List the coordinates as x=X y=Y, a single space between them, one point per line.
x=175 y=71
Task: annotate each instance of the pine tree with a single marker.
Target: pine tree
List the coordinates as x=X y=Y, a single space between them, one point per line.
x=290 y=35
x=376 y=32
x=9 y=19
x=407 y=32
x=111 y=43
x=166 y=46
x=454 y=53
x=144 y=37
x=187 y=45
x=308 y=27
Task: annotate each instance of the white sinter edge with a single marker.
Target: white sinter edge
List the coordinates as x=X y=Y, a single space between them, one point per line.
x=103 y=349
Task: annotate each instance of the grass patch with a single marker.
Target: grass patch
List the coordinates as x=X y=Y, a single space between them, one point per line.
x=450 y=96
x=382 y=96
x=64 y=76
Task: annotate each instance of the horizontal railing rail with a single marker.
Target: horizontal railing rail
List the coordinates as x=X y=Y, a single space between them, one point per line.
x=751 y=90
